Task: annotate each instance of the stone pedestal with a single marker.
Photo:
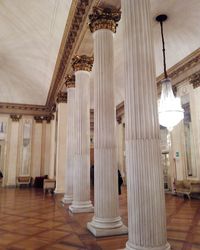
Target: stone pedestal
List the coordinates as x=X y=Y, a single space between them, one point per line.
x=106 y=221
x=70 y=84
x=81 y=181
x=146 y=201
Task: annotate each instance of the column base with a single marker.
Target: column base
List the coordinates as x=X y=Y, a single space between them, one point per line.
x=130 y=246
x=81 y=207
x=67 y=199
x=107 y=227
x=59 y=191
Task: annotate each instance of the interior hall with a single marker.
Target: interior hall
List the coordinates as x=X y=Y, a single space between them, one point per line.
x=99 y=125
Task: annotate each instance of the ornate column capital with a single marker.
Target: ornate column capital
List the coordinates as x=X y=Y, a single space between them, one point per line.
x=106 y=18
x=82 y=63
x=70 y=81
x=61 y=97
x=15 y=117
x=38 y=118
x=195 y=79
x=41 y=118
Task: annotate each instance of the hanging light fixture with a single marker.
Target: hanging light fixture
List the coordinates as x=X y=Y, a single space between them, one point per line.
x=169 y=109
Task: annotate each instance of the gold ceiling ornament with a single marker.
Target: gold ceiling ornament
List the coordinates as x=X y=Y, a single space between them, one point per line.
x=195 y=79
x=104 y=18
x=61 y=97
x=70 y=81
x=82 y=63
x=15 y=117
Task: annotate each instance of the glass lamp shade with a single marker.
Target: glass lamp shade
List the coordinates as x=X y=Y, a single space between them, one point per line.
x=169 y=109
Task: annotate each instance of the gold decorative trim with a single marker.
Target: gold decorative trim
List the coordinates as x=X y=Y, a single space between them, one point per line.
x=15 y=117
x=104 y=18
x=78 y=18
x=70 y=81
x=195 y=79
x=61 y=97
x=82 y=63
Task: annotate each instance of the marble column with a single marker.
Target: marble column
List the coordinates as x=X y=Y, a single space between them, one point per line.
x=81 y=186
x=36 y=157
x=106 y=220
x=52 y=148
x=13 y=150
x=69 y=168
x=61 y=142
x=146 y=200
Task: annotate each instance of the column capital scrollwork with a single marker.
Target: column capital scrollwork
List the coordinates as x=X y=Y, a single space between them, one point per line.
x=62 y=97
x=195 y=79
x=104 y=18
x=41 y=118
x=15 y=117
x=82 y=63
x=70 y=81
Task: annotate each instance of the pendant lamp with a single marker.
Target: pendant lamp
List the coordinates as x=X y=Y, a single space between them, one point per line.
x=169 y=109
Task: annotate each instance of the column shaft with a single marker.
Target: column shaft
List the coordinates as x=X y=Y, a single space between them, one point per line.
x=106 y=220
x=81 y=185
x=61 y=147
x=52 y=149
x=146 y=201
x=68 y=197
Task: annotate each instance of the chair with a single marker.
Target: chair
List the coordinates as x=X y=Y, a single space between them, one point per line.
x=24 y=180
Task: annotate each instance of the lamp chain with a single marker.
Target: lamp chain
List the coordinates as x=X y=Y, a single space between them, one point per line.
x=163 y=49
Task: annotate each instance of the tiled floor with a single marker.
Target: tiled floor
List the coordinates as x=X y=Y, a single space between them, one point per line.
x=30 y=221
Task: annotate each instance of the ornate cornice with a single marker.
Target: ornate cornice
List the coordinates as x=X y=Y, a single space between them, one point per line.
x=61 y=97
x=70 y=81
x=23 y=109
x=188 y=63
x=76 y=26
x=104 y=18
x=195 y=80
x=82 y=63
x=15 y=117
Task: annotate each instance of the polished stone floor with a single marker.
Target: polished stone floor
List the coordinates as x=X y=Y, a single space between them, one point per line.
x=28 y=220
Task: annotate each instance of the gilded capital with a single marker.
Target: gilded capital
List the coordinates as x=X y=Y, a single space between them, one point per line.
x=195 y=80
x=38 y=118
x=15 y=117
x=41 y=118
x=82 y=63
x=62 y=97
x=104 y=18
x=70 y=81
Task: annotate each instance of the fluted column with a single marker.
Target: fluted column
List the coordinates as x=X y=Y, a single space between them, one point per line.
x=69 y=168
x=52 y=148
x=81 y=185
x=13 y=150
x=146 y=201
x=61 y=142
x=106 y=220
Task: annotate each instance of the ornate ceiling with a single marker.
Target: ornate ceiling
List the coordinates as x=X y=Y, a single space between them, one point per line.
x=31 y=37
